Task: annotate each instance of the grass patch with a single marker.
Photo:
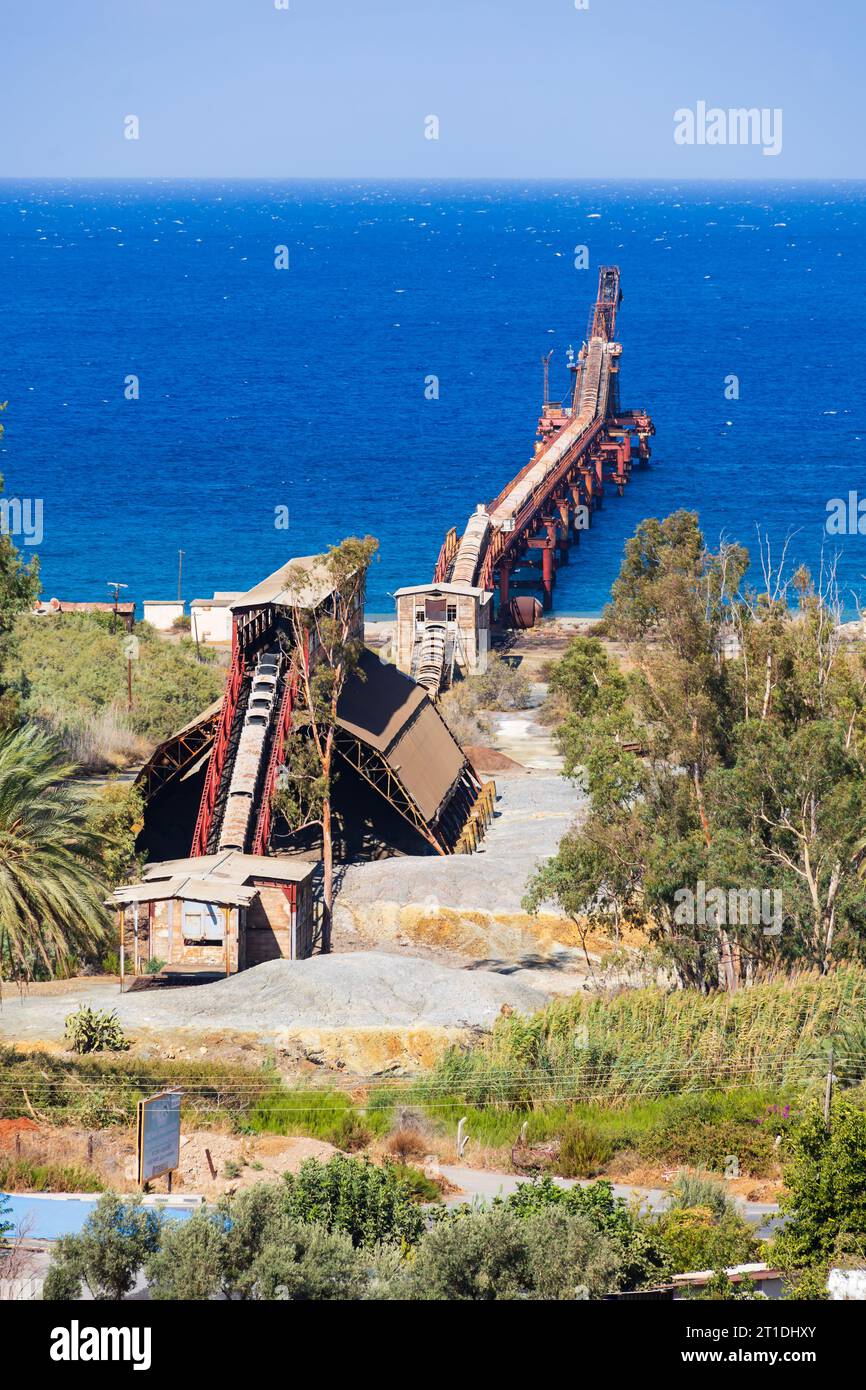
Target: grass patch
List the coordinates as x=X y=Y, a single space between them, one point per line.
x=95 y=1092
x=321 y=1114
x=651 y=1042
x=22 y=1175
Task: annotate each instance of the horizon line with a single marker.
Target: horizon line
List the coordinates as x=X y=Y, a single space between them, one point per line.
x=437 y=178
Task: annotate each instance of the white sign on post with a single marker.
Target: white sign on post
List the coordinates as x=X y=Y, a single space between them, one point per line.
x=158 y=1135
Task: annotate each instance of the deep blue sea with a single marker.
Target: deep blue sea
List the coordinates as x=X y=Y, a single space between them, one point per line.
x=304 y=388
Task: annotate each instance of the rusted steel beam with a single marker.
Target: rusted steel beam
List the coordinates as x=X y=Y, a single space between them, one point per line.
x=234 y=682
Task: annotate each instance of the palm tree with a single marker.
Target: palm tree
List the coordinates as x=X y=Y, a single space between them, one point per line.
x=51 y=888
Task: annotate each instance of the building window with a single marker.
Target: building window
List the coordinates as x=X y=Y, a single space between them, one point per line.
x=451 y=613
x=419 y=615
x=203 y=924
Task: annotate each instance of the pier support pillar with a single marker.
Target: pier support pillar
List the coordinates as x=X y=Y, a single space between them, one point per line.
x=504 y=597
x=565 y=529
x=547 y=576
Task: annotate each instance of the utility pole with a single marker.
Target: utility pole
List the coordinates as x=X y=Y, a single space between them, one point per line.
x=545 y=362
x=828 y=1092
x=179 y=572
x=113 y=584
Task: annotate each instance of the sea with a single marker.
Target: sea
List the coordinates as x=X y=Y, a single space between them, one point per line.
x=244 y=371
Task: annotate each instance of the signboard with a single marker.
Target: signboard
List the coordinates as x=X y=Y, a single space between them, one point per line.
x=158 y=1135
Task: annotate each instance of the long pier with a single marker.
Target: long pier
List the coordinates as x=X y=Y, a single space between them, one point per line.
x=582 y=445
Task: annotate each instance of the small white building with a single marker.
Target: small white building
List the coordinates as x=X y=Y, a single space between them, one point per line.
x=211 y=618
x=463 y=611
x=162 y=613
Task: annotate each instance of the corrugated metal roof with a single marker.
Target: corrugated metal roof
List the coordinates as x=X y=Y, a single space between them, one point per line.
x=386 y=709
x=231 y=866
x=304 y=582
x=199 y=890
x=443 y=588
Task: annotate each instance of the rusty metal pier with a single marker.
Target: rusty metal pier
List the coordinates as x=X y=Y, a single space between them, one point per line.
x=582 y=445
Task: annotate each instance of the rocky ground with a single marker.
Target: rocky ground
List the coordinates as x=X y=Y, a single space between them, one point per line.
x=371 y=1008
x=467 y=908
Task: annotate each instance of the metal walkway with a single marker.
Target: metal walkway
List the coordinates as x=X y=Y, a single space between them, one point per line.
x=543 y=509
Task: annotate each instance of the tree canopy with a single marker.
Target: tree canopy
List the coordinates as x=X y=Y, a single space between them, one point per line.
x=724 y=763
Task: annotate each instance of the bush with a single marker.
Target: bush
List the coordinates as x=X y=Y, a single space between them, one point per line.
x=698 y=1189
x=348 y=1194
x=826 y=1188
x=306 y=1261
x=114 y=1243
x=190 y=1261
x=642 y=1256
x=720 y=1288
x=497 y=1255
x=116 y=814
x=6 y=1226
x=404 y=1144
x=500 y=687
x=583 y=1151
x=95 y=1030
x=417 y=1184
x=72 y=670
x=711 y=1143
x=252 y=1248
x=694 y=1239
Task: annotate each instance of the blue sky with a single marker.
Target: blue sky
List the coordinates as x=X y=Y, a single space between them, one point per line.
x=341 y=88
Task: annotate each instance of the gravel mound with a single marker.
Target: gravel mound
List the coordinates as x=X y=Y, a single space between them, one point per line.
x=369 y=989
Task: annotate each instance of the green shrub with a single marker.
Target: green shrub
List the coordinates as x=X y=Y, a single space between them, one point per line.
x=825 y=1179
x=643 y=1259
x=419 y=1187
x=349 y=1194
x=698 y=1189
x=305 y=1261
x=583 y=1151
x=694 y=1239
x=189 y=1264
x=72 y=668
x=114 y=1243
x=116 y=814
x=6 y=1226
x=721 y=1288
x=501 y=687
x=495 y=1254
x=95 y=1030
x=712 y=1143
